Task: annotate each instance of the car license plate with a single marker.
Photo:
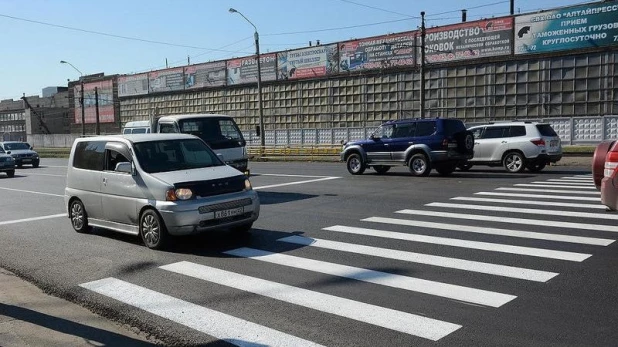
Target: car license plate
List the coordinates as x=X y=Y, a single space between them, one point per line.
x=553 y=143
x=229 y=213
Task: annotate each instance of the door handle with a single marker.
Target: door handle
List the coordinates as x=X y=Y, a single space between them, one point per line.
x=104 y=181
x=504 y=142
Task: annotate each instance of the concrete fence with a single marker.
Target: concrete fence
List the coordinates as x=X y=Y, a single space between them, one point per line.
x=572 y=131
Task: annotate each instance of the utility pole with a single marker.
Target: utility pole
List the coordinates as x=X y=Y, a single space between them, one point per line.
x=512 y=7
x=422 y=66
x=96 y=104
x=83 y=107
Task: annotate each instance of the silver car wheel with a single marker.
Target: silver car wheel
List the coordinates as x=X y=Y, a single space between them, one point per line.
x=77 y=216
x=151 y=229
x=355 y=164
x=418 y=165
x=513 y=162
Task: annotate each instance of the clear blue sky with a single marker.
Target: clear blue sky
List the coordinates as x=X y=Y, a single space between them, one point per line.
x=31 y=52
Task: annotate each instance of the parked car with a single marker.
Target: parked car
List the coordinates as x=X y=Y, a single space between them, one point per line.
x=598 y=161
x=515 y=145
x=156 y=186
x=609 y=182
x=7 y=163
x=420 y=144
x=22 y=152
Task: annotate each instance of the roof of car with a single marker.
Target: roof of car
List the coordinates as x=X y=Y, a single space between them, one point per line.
x=195 y=115
x=508 y=123
x=140 y=137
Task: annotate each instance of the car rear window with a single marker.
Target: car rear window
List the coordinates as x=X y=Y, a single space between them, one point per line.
x=546 y=130
x=452 y=126
x=425 y=128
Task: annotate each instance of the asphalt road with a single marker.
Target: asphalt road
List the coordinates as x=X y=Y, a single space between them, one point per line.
x=481 y=258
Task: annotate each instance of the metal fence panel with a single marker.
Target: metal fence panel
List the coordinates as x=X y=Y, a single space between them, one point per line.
x=587 y=130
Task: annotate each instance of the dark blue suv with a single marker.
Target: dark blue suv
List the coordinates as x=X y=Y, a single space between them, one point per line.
x=420 y=144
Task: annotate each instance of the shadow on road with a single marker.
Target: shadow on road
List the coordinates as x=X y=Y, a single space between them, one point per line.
x=92 y=335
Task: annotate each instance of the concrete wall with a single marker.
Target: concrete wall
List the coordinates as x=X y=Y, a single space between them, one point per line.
x=52 y=141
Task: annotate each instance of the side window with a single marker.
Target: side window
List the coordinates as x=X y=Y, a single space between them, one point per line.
x=425 y=128
x=495 y=132
x=90 y=155
x=384 y=132
x=404 y=130
x=477 y=133
x=113 y=158
x=167 y=128
x=518 y=130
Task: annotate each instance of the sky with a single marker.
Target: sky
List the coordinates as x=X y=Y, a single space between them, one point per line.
x=131 y=36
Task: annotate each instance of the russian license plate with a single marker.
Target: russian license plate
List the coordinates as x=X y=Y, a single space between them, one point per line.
x=553 y=143
x=229 y=213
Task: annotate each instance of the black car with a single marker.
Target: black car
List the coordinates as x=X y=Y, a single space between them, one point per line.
x=420 y=144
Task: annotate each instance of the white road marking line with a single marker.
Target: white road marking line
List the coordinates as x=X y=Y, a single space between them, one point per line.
x=552 y=224
x=580 y=179
x=292 y=183
x=434 y=260
x=575 y=184
x=586 y=175
x=44 y=166
x=484 y=246
x=540 y=196
x=570 y=181
x=551 y=186
x=408 y=323
x=222 y=326
x=33 y=219
x=287 y=175
x=493 y=231
x=526 y=210
x=450 y=291
x=548 y=191
x=32 y=192
x=40 y=174
x=531 y=202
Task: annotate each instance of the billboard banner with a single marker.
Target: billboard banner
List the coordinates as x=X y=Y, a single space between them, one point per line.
x=585 y=26
x=166 y=80
x=309 y=62
x=378 y=52
x=106 y=102
x=244 y=70
x=205 y=75
x=470 y=40
x=133 y=85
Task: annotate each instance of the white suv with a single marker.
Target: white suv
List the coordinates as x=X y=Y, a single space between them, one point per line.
x=515 y=145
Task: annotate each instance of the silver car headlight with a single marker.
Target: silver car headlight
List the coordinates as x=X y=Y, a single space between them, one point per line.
x=248 y=185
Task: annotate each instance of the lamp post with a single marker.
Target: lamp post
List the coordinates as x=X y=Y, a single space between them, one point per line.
x=81 y=101
x=422 y=92
x=259 y=81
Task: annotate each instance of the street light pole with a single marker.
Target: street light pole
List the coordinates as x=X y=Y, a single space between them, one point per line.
x=81 y=101
x=422 y=69
x=259 y=82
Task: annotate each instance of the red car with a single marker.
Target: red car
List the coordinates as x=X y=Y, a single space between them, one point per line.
x=609 y=182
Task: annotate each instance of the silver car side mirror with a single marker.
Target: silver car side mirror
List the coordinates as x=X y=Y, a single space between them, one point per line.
x=125 y=167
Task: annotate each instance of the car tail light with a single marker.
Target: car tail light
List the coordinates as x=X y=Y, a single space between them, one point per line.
x=611 y=163
x=445 y=143
x=538 y=142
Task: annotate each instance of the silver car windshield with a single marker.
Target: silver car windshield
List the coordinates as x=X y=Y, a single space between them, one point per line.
x=174 y=155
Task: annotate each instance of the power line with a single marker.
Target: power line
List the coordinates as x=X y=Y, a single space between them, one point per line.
x=379 y=9
x=340 y=28
x=107 y=34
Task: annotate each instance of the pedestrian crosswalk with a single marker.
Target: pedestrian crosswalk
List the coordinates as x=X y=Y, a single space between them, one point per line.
x=520 y=206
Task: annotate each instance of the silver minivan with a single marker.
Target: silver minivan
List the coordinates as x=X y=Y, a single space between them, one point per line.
x=156 y=186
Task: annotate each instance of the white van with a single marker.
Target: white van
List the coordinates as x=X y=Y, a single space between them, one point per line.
x=155 y=186
x=137 y=127
x=219 y=131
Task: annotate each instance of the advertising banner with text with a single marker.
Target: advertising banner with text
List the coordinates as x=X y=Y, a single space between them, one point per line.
x=205 y=75
x=309 y=62
x=133 y=85
x=106 y=102
x=244 y=70
x=470 y=40
x=378 y=52
x=166 y=80
x=586 y=26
